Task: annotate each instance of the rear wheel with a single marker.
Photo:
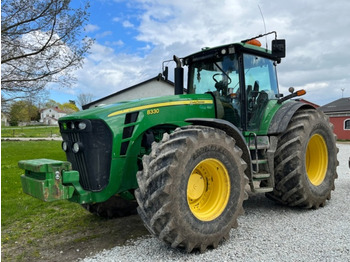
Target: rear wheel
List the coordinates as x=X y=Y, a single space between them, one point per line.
x=305 y=161
x=191 y=188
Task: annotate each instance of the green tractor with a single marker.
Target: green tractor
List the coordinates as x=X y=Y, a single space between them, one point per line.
x=184 y=161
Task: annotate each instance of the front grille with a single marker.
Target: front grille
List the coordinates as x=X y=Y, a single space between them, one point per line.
x=93 y=160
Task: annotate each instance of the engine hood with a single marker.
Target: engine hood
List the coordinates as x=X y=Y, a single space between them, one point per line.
x=108 y=111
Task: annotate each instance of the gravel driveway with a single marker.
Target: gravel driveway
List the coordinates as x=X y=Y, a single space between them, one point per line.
x=267 y=232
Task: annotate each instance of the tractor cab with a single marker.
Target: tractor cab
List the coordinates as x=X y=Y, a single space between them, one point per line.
x=241 y=77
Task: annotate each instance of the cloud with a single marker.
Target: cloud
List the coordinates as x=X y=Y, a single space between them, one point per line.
x=145 y=48
x=91 y=28
x=118 y=43
x=127 y=24
x=104 y=34
x=315 y=31
x=106 y=72
x=199 y=23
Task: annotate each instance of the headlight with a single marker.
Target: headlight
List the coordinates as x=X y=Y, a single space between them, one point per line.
x=77 y=147
x=82 y=125
x=64 y=146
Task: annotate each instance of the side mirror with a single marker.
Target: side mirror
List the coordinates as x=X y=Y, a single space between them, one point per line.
x=279 y=48
x=165 y=73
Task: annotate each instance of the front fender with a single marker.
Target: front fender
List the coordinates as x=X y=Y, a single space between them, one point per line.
x=232 y=131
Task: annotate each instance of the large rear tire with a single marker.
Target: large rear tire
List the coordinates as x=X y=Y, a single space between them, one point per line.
x=191 y=188
x=305 y=161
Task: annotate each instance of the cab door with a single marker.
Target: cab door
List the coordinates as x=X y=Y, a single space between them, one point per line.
x=260 y=87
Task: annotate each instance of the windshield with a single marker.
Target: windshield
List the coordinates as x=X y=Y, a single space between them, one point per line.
x=214 y=75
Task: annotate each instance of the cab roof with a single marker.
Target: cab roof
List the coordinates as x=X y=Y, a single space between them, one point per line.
x=240 y=47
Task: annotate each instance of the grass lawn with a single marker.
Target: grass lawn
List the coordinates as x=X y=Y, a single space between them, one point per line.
x=32 y=230
x=30 y=131
x=26 y=221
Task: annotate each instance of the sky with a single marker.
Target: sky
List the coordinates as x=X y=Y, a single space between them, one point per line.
x=133 y=38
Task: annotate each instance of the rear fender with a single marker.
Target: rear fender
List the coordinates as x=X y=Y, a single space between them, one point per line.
x=283 y=116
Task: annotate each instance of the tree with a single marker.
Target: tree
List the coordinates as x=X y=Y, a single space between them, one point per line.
x=84 y=99
x=69 y=107
x=23 y=111
x=41 y=43
x=40 y=99
x=52 y=103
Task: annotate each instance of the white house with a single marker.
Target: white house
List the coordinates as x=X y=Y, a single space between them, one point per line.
x=4 y=119
x=50 y=116
x=153 y=87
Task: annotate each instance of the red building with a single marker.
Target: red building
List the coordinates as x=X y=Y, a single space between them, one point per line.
x=308 y=102
x=339 y=115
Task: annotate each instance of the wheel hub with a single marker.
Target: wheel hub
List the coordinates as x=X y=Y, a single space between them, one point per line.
x=208 y=189
x=316 y=159
x=195 y=188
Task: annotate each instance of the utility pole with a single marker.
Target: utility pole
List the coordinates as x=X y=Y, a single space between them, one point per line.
x=342 y=92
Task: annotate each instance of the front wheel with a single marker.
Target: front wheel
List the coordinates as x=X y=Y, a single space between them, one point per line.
x=114 y=207
x=191 y=188
x=305 y=161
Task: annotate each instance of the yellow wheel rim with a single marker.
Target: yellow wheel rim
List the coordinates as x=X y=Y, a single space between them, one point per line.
x=316 y=159
x=208 y=189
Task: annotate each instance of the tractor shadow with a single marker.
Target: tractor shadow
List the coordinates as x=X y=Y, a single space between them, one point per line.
x=259 y=203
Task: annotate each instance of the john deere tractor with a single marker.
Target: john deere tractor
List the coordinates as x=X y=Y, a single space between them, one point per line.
x=184 y=161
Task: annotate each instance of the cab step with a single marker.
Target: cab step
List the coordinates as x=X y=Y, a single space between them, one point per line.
x=261 y=176
x=257 y=178
x=259 y=146
x=259 y=161
x=263 y=189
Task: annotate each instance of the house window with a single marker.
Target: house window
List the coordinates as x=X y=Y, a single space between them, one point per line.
x=347 y=124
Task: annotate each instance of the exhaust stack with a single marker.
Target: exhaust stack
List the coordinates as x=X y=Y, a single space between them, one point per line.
x=179 y=77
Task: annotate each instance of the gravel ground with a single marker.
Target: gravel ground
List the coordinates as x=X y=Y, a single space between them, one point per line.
x=267 y=232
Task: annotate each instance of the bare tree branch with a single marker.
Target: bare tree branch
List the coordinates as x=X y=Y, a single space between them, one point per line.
x=31 y=19
x=41 y=43
x=43 y=47
x=84 y=99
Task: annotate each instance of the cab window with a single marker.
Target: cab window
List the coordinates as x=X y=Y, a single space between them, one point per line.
x=219 y=76
x=261 y=86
